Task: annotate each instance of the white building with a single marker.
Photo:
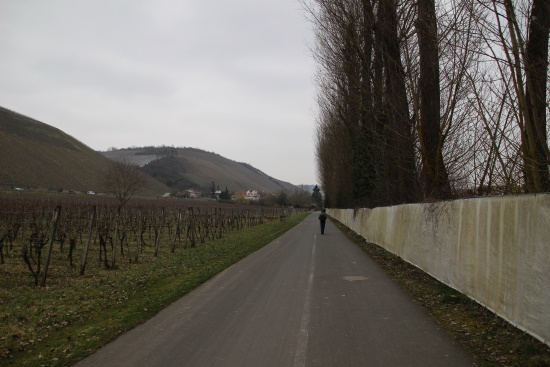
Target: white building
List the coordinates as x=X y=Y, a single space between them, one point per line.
x=252 y=195
x=192 y=194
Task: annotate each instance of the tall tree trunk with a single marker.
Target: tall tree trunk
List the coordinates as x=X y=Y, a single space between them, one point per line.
x=436 y=180
x=401 y=146
x=367 y=181
x=352 y=112
x=536 y=72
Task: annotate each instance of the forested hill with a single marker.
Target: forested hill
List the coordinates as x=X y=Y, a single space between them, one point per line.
x=38 y=156
x=182 y=168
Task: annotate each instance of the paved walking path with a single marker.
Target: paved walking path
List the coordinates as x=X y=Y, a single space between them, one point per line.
x=306 y=299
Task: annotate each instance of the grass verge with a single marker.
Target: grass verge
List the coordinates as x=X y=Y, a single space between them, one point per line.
x=490 y=339
x=60 y=324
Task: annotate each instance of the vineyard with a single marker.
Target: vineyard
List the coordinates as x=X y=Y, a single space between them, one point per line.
x=44 y=239
x=75 y=272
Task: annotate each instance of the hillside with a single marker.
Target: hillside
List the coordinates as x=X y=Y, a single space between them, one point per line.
x=38 y=156
x=41 y=157
x=183 y=168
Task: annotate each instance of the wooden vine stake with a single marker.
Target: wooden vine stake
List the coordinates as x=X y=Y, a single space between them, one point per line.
x=113 y=257
x=85 y=253
x=158 y=232
x=55 y=221
x=140 y=235
x=176 y=234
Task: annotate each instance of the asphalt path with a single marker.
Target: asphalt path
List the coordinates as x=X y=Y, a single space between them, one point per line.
x=305 y=299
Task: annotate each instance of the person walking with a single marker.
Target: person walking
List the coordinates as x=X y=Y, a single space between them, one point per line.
x=322 y=220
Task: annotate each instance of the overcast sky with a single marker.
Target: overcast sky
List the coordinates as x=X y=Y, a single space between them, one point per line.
x=231 y=77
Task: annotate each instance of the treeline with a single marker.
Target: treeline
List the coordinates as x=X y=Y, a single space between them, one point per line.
x=162 y=150
x=424 y=100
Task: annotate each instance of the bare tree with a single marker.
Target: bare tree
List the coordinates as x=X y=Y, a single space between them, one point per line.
x=365 y=147
x=123 y=180
x=436 y=180
x=536 y=77
x=395 y=107
x=450 y=96
x=516 y=38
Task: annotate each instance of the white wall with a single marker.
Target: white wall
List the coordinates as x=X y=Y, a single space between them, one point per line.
x=494 y=250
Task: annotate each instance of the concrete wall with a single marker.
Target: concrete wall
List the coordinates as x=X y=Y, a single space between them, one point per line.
x=494 y=250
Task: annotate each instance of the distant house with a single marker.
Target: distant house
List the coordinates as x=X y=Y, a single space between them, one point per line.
x=252 y=195
x=190 y=193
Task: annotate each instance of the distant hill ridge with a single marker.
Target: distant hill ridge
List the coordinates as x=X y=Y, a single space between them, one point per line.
x=35 y=154
x=182 y=168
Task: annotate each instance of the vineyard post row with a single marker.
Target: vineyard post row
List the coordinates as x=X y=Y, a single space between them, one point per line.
x=130 y=233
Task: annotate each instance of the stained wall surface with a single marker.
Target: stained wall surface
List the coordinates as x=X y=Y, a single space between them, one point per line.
x=494 y=250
